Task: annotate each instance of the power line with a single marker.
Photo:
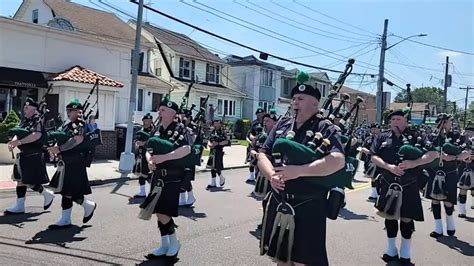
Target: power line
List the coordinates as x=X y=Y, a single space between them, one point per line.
x=338 y=20
x=354 y=55
x=313 y=19
x=237 y=43
x=306 y=28
x=435 y=46
x=268 y=30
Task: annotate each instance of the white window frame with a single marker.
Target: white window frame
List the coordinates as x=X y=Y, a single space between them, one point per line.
x=189 y=68
x=214 y=74
x=266 y=77
x=35 y=16
x=226 y=107
x=266 y=105
x=323 y=90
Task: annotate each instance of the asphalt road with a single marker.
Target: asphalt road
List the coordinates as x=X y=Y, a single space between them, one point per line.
x=220 y=230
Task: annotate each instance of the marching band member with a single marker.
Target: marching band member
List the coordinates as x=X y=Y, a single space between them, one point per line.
x=251 y=136
x=217 y=141
x=30 y=169
x=466 y=181
x=141 y=165
x=374 y=133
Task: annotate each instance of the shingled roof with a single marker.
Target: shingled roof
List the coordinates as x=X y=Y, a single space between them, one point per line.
x=181 y=43
x=84 y=75
x=90 y=20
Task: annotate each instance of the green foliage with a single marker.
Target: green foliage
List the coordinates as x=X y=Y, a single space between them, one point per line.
x=12 y=120
x=432 y=95
x=241 y=127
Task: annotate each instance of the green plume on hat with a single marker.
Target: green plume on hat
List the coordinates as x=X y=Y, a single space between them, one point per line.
x=302 y=77
x=75 y=101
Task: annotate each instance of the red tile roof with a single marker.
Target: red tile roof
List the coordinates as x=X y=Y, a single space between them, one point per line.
x=84 y=75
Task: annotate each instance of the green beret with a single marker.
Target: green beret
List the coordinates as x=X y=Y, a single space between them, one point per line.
x=147 y=116
x=31 y=102
x=74 y=105
x=272 y=111
x=142 y=135
x=259 y=111
x=170 y=104
x=306 y=89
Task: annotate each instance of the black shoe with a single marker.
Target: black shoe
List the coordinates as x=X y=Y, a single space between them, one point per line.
x=373 y=198
x=152 y=256
x=57 y=227
x=388 y=258
x=138 y=196
x=461 y=215
x=405 y=261
x=451 y=232
x=435 y=234
x=210 y=187
x=259 y=227
x=249 y=181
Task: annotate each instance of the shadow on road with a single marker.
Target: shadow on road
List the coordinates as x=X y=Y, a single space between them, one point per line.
x=18 y=220
x=257 y=198
x=58 y=237
x=219 y=189
x=350 y=215
x=189 y=212
x=453 y=242
x=257 y=233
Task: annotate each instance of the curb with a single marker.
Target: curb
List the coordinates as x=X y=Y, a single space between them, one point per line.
x=100 y=182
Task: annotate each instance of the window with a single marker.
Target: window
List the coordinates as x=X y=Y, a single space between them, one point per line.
x=34 y=16
x=266 y=105
x=158 y=71
x=219 y=107
x=201 y=102
x=286 y=87
x=140 y=100
x=323 y=90
x=266 y=77
x=155 y=101
x=186 y=68
x=212 y=73
x=226 y=107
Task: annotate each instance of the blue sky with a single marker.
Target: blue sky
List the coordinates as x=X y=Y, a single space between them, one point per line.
x=345 y=28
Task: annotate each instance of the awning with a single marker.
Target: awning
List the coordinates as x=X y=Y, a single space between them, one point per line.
x=13 y=77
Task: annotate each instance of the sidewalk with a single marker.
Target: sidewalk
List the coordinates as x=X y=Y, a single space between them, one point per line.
x=106 y=171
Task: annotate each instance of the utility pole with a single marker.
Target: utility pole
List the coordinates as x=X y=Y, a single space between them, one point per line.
x=445 y=104
x=380 y=81
x=127 y=158
x=465 y=104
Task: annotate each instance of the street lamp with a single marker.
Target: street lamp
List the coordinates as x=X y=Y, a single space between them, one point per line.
x=404 y=39
x=379 y=96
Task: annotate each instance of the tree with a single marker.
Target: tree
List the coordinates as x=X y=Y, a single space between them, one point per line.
x=12 y=120
x=431 y=95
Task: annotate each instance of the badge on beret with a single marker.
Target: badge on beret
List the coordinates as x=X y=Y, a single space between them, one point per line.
x=302 y=87
x=74 y=106
x=27 y=103
x=169 y=104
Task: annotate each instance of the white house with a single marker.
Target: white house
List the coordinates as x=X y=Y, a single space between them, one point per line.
x=50 y=37
x=181 y=61
x=319 y=80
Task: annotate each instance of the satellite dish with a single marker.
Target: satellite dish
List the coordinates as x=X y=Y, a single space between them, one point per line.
x=62 y=24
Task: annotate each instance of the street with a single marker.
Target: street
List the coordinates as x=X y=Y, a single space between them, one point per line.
x=220 y=230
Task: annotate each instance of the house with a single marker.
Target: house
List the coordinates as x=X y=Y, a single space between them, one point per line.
x=181 y=61
x=259 y=80
x=367 y=110
x=69 y=45
x=319 y=80
x=417 y=110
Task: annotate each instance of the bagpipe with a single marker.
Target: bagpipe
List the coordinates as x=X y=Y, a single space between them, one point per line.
x=26 y=129
x=92 y=138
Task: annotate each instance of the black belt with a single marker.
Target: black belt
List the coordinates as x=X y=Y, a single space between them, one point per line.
x=170 y=175
x=300 y=197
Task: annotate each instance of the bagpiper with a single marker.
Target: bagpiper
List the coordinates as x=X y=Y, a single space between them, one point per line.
x=141 y=164
x=398 y=161
x=466 y=179
x=442 y=183
x=166 y=155
x=186 y=197
x=30 y=168
x=70 y=179
x=251 y=138
x=294 y=224
x=217 y=141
